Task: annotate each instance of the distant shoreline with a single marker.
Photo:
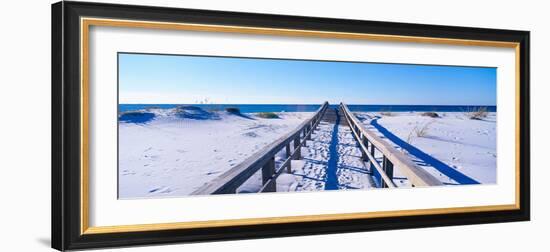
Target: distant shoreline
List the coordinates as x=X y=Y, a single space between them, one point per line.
x=256 y=108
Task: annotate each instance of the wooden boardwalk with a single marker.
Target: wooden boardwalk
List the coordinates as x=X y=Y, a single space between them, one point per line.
x=330 y=151
x=332 y=115
x=332 y=159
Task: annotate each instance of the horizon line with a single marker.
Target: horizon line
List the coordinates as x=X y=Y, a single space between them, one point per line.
x=352 y=104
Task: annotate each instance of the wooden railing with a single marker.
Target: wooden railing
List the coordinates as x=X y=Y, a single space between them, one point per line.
x=264 y=159
x=370 y=143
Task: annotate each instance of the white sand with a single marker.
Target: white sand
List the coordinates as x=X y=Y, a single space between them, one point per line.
x=172 y=156
x=454 y=142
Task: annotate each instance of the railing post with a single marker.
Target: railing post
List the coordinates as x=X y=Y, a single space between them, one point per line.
x=268 y=170
x=372 y=150
x=305 y=135
x=387 y=166
x=287 y=149
x=366 y=143
x=384 y=185
x=389 y=169
x=297 y=148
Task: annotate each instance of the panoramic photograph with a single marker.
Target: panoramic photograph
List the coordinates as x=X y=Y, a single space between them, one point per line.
x=202 y=125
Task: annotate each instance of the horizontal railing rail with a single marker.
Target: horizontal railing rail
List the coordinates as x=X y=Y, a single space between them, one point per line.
x=390 y=156
x=264 y=159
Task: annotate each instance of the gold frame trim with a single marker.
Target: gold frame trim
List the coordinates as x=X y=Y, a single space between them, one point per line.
x=85 y=24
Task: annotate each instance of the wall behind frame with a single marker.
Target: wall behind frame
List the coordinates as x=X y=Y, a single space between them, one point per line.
x=25 y=124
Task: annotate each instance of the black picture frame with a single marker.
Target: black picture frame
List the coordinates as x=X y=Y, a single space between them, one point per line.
x=66 y=123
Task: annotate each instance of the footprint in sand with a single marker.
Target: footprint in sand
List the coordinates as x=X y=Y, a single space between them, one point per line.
x=154 y=190
x=161 y=189
x=128 y=172
x=152 y=157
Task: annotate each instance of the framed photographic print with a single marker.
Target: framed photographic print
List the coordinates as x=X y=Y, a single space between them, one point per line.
x=179 y=125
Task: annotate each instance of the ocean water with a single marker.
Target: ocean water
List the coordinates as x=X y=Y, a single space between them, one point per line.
x=255 y=108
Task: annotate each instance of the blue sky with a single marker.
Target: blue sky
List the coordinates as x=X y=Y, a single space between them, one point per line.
x=168 y=79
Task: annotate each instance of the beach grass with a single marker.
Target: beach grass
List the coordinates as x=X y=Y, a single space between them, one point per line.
x=267 y=115
x=477 y=113
x=423 y=130
x=386 y=112
x=430 y=114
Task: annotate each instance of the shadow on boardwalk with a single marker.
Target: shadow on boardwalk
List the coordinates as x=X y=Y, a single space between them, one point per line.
x=332 y=160
x=332 y=167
